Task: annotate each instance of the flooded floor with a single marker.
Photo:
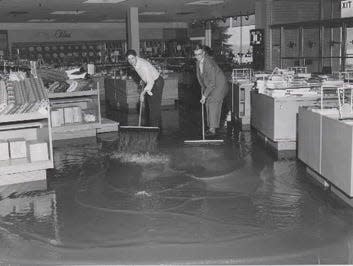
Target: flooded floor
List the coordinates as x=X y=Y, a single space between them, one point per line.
x=235 y=203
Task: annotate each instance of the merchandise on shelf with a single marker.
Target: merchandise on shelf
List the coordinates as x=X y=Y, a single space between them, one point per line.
x=4 y=150
x=20 y=148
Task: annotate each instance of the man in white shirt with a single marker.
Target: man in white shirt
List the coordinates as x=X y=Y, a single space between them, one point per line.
x=153 y=86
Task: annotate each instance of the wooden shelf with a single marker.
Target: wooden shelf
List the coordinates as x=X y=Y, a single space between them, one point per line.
x=72 y=94
x=22 y=117
x=76 y=127
x=88 y=101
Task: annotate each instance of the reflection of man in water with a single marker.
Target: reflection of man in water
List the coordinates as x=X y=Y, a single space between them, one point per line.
x=214 y=87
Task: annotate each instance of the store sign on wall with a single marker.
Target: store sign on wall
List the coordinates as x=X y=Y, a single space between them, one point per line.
x=61 y=34
x=346 y=8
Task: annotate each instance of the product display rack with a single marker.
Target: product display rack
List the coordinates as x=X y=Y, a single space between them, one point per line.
x=88 y=102
x=241 y=85
x=31 y=127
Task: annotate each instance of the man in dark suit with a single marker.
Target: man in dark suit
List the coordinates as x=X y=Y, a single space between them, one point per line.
x=214 y=87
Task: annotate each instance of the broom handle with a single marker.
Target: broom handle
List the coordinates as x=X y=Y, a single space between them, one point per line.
x=203 y=122
x=140 y=114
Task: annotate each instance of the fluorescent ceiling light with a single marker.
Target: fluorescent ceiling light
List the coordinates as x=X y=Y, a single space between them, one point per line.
x=206 y=2
x=103 y=1
x=113 y=20
x=75 y=12
x=152 y=13
x=41 y=20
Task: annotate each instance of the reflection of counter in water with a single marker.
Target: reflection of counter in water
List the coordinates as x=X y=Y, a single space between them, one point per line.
x=30 y=208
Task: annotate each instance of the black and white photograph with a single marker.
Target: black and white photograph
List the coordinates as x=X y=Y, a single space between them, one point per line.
x=176 y=132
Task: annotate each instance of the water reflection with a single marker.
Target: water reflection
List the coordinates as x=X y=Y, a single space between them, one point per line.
x=29 y=209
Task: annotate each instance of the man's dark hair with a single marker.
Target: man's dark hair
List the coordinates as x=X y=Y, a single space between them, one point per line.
x=206 y=49
x=198 y=47
x=131 y=52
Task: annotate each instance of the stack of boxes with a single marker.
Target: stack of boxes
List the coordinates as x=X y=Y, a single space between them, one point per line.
x=20 y=148
x=67 y=115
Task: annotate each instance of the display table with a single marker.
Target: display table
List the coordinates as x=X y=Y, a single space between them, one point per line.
x=325 y=145
x=123 y=94
x=275 y=119
x=241 y=106
x=31 y=133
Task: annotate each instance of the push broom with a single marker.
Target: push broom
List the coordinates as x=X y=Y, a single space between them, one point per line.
x=203 y=140
x=138 y=138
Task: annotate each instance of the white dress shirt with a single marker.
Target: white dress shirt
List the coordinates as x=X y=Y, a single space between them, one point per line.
x=201 y=65
x=147 y=72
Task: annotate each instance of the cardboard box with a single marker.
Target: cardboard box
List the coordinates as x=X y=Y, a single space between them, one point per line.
x=4 y=150
x=69 y=115
x=38 y=151
x=18 y=148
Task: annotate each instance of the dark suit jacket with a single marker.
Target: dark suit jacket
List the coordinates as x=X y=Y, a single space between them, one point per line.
x=212 y=81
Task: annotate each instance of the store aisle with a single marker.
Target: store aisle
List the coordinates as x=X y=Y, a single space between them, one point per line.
x=203 y=205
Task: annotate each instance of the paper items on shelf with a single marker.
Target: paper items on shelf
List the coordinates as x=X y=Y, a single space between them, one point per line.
x=18 y=148
x=38 y=151
x=4 y=150
x=60 y=117
x=91 y=69
x=55 y=118
x=77 y=114
x=70 y=71
x=68 y=115
x=89 y=118
x=73 y=86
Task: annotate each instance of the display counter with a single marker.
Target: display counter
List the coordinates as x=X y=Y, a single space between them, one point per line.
x=325 y=145
x=275 y=118
x=241 y=106
x=26 y=147
x=123 y=94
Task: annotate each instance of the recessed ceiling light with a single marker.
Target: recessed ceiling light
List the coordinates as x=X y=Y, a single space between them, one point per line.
x=75 y=12
x=16 y=13
x=113 y=20
x=185 y=13
x=103 y=1
x=152 y=13
x=41 y=20
x=206 y=2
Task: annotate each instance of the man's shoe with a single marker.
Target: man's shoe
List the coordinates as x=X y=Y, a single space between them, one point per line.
x=209 y=133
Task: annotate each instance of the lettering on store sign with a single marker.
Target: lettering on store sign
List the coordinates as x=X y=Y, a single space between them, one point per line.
x=60 y=34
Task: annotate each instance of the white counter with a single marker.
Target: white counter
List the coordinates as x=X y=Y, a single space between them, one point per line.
x=276 y=118
x=325 y=144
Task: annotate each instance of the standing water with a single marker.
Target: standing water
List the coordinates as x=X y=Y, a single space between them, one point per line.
x=233 y=203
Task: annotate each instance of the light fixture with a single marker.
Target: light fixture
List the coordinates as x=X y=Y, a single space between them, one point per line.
x=103 y=1
x=41 y=20
x=110 y=20
x=247 y=17
x=73 y=12
x=206 y=2
x=152 y=13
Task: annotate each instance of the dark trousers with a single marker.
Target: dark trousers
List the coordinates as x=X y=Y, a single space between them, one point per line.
x=154 y=103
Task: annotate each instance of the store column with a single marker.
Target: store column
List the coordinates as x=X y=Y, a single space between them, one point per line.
x=208 y=34
x=263 y=17
x=133 y=30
